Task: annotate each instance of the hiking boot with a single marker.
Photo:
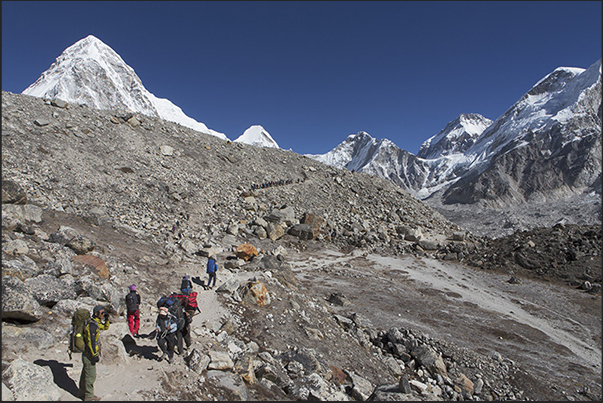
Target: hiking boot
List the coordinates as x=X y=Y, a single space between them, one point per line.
x=162 y=357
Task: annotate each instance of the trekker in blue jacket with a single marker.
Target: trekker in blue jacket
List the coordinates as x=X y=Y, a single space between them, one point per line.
x=212 y=268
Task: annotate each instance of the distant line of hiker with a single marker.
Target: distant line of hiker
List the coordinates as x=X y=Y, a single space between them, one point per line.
x=281 y=182
x=172 y=326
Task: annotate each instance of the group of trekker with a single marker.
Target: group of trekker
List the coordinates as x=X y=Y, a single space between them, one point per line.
x=268 y=184
x=172 y=326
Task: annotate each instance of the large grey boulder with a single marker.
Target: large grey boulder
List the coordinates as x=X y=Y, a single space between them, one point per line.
x=22 y=212
x=361 y=388
x=197 y=361
x=22 y=267
x=320 y=389
x=30 y=382
x=22 y=336
x=431 y=360
x=220 y=360
x=18 y=301
x=285 y=215
x=48 y=290
x=302 y=231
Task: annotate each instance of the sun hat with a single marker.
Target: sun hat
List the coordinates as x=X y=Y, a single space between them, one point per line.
x=132 y=287
x=163 y=310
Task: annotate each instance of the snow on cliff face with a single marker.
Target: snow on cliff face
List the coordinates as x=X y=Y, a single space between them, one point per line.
x=553 y=100
x=564 y=103
x=456 y=137
x=257 y=136
x=91 y=73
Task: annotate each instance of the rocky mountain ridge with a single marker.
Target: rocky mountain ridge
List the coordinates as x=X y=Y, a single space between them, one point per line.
x=94 y=200
x=545 y=150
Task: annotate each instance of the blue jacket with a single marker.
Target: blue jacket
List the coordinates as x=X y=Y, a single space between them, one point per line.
x=212 y=267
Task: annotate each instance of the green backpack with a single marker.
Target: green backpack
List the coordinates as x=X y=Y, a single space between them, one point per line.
x=76 y=335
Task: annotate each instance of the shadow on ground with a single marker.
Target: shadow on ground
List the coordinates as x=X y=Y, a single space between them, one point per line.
x=59 y=373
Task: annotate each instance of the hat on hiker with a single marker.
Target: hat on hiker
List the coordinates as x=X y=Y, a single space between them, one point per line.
x=97 y=309
x=187 y=277
x=163 y=310
x=132 y=287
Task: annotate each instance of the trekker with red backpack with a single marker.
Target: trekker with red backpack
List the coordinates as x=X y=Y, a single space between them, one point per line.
x=133 y=310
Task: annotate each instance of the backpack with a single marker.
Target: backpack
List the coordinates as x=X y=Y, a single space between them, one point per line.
x=76 y=335
x=182 y=298
x=174 y=306
x=132 y=302
x=192 y=301
x=186 y=287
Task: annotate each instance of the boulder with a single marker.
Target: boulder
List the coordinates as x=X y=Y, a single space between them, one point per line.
x=27 y=335
x=320 y=389
x=16 y=247
x=59 y=103
x=362 y=389
x=244 y=367
x=80 y=244
x=48 y=290
x=29 y=381
x=274 y=231
x=166 y=150
x=254 y=292
x=220 y=360
x=246 y=252
x=308 y=358
x=13 y=193
x=63 y=235
x=431 y=360
x=465 y=384
x=18 y=301
x=94 y=262
x=285 y=215
x=275 y=374
x=22 y=267
x=339 y=299
x=413 y=235
x=302 y=231
x=197 y=361
x=26 y=212
x=232 y=383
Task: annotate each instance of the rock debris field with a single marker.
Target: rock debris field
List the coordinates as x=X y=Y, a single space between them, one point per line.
x=332 y=285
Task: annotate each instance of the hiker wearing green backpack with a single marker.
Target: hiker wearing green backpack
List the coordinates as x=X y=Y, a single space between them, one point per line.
x=90 y=356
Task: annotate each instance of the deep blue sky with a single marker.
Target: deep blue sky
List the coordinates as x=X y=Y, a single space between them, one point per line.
x=312 y=73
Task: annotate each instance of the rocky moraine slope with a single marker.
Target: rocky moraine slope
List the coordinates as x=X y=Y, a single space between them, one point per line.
x=94 y=200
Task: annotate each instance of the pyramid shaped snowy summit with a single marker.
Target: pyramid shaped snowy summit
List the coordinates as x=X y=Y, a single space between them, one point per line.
x=257 y=136
x=91 y=73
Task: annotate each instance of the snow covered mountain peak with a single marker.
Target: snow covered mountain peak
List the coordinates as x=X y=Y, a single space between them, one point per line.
x=456 y=137
x=256 y=135
x=91 y=73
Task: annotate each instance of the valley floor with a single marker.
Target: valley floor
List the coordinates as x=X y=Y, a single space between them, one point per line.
x=552 y=332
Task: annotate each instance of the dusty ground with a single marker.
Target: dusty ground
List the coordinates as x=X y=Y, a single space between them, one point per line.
x=550 y=330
